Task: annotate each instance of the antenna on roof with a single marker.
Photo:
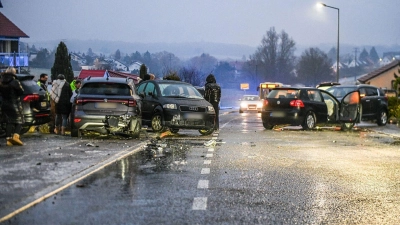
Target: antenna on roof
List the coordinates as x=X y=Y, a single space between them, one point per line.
x=107 y=75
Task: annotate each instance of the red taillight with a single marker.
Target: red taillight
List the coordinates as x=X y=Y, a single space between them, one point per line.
x=77 y=120
x=132 y=103
x=265 y=103
x=297 y=103
x=30 y=98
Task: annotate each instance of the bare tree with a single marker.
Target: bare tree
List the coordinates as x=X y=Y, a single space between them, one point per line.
x=314 y=67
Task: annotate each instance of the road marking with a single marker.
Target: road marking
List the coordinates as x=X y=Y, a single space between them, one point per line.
x=209 y=155
x=205 y=171
x=199 y=203
x=210 y=149
x=214 y=138
x=203 y=184
x=207 y=161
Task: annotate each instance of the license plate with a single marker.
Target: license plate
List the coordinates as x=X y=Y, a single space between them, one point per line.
x=106 y=105
x=194 y=116
x=277 y=114
x=43 y=104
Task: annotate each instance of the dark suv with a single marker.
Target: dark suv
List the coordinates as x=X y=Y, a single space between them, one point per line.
x=374 y=103
x=35 y=104
x=107 y=105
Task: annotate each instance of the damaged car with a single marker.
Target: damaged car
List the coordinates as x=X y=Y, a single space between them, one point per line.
x=174 y=105
x=107 y=105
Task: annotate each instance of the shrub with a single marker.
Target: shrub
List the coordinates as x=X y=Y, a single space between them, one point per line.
x=394 y=107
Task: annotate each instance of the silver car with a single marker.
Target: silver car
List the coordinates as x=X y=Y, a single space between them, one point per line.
x=250 y=103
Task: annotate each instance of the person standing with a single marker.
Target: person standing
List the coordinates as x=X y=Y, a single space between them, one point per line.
x=11 y=91
x=212 y=94
x=61 y=94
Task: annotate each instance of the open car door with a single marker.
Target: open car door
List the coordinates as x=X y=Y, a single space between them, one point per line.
x=350 y=108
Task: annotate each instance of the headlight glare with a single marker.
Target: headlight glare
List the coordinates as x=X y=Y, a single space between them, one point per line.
x=169 y=106
x=210 y=108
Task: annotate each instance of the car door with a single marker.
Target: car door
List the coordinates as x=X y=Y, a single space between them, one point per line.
x=365 y=102
x=349 y=111
x=149 y=101
x=318 y=105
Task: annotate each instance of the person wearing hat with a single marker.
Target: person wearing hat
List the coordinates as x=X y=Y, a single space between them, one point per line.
x=11 y=91
x=61 y=94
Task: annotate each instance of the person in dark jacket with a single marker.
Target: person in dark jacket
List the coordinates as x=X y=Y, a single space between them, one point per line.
x=61 y=94
x=11 y=91
x=212 y=93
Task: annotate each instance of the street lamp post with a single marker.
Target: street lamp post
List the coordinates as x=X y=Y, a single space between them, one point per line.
x=337 y=50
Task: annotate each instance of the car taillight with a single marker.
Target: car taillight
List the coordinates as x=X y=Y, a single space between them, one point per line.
x=265 y=102
x=132 y=103
x=297 y=103
x=30 y=98
x=77 y=120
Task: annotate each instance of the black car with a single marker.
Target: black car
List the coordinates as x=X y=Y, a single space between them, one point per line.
x=35 y=104
x=374 y=102
x=308 y=107
x=107 y=105
x=175 y=105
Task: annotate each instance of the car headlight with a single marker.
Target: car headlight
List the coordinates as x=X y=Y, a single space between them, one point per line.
x=259 y=105
x=169 y=106
x=243 y=105
x=210 y=108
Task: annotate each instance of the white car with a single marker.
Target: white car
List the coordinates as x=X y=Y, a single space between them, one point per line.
x=250 y=103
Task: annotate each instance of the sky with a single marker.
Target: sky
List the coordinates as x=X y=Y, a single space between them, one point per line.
x=362 y=22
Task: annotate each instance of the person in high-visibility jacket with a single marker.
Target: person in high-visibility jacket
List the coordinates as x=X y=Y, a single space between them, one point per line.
x=73 y=85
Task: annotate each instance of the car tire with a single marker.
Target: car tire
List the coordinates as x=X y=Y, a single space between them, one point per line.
x=346 y=126
x=240 y=111
x=75 y=132
x=206 y=132
x=268 y=126
x=135 y=132
x=309 y=121
x=24 y=130
x=156 y=123
x=382 y=118
x=174 y=130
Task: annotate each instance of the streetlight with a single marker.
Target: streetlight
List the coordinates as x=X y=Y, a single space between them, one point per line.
x=337 y=51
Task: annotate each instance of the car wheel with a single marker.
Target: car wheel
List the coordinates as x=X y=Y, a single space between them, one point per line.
x=206 y=132
x=240 y=111
x=156 y=123
x=24 y=130
x=135 y=127
x=268 y=126
x=346 y=126
x=382 y=118
x=75 y=132
x=309 y=121
x=174 y=130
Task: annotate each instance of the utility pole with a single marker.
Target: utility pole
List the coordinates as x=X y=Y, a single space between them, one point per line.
x=355 y=64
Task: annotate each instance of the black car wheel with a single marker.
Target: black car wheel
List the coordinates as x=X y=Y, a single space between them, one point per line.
x=174 y=130
x=309 y=121
x=268 y=126
x=382 y=118
x=75 y=132
x=206 y=132
x=346 y=126
x=156 y=123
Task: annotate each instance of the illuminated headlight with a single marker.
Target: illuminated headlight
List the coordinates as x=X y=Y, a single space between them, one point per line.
x=259 y=105
x=210 y=108
x=243 y=105
x=169 y=106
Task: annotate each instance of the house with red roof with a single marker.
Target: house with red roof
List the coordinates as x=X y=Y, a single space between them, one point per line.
x=103 y=73
x=10 y=54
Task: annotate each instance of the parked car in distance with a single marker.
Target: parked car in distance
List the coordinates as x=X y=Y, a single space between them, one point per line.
x=35 y=104
x=174 y=105
x=326 y=85
x=374 y=103
x=308 y=107
x=107 y=105
x=250 y=103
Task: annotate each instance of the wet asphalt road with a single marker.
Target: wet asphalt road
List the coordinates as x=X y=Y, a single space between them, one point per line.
x=251 y=176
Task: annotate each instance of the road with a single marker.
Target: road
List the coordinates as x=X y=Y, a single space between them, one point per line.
x=250 y=176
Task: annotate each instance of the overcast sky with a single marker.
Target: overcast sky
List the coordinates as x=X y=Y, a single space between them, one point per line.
x=362 y=22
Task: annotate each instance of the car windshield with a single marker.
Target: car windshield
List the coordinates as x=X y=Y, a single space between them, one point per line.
x=340 y=92
x=105 y=89
x=179 y=90
x=284 y=93
x=251 y=98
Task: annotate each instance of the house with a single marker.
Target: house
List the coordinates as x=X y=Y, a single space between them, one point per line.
x=119 y=66
x=135 y=67
x=78 y=58
x=384 y=76
x=10 y=53
x=103 y=73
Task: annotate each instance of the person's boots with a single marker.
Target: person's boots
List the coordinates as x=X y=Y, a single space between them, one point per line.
x=56 y=129
x=15 y=140
x=9 y=143
x=62 y=130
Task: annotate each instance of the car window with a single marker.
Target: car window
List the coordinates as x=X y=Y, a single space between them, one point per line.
x=140 y=88
x=30 y=86
x=106 y=89
x=283 y=93
x=251 y=98
x=372 y=91
x=150 y=88
x=179 y=90
x=314 y=95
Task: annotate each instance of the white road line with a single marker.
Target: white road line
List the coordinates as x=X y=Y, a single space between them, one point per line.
x=209 y=155
x=199 y=203
x=205 y=171
x=203 y=184
x=210 y=149
x=214 y=138
x=207 y=161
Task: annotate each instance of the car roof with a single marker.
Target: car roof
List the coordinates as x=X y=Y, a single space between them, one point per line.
x=106 y=79
x=296 y=88
x=21 y=76
x=354 y=85
x=168 y=82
